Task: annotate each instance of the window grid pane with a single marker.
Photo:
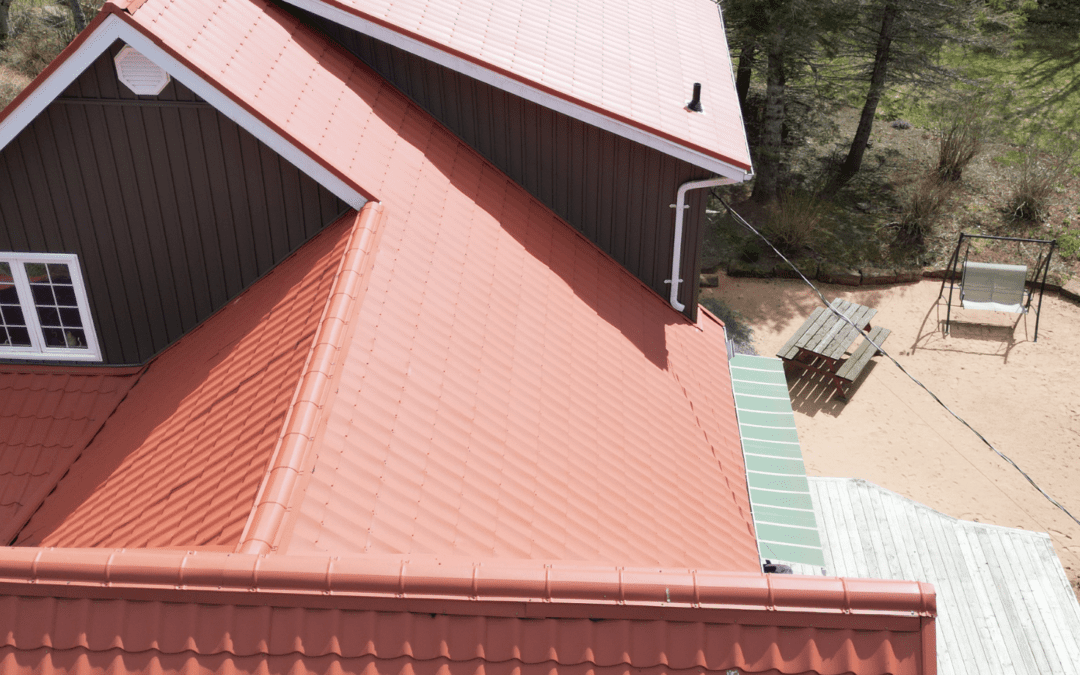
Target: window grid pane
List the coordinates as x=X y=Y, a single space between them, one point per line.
x=57 y=310
x=13 y=329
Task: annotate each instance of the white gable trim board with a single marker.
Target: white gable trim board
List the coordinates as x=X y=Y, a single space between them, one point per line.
x=113 y=28
x=518 y=88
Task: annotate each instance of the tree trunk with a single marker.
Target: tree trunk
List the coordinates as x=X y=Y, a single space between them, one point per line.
x=854 y=159
x=5 y=25
x=744 y=72
x=768 y=161
x=77 y=15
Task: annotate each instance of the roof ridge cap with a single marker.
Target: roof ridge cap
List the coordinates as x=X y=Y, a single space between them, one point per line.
x=551 y=585
x=280 y=485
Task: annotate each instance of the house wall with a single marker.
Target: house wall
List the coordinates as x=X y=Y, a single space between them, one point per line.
x=172 y=208
x=617 y=192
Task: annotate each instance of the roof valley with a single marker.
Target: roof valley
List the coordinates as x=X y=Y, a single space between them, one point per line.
x=38 y=493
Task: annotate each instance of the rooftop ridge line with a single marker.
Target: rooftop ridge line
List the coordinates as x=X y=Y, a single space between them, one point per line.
x=266 y=521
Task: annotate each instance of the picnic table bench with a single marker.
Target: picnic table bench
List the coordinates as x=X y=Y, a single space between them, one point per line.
x=822 y=341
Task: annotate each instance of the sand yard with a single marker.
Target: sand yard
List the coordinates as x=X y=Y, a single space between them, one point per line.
x=1023 y=396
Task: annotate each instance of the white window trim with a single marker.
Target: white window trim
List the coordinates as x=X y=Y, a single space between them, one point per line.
x=38 y=351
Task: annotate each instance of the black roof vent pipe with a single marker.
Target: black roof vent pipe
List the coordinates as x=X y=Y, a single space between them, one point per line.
x=695 y=103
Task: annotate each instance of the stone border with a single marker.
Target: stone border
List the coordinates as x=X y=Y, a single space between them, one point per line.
x=845 y=276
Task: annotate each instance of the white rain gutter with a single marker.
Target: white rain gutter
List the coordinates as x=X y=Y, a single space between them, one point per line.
x=680 y=207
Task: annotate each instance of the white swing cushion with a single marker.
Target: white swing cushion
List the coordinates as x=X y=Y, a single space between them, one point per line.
x=999 y=288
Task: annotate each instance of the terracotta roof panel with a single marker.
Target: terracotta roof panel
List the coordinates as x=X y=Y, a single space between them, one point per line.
x=633 y=61
x=495 y=336
x=175 y=460
x=506 y=391
x=672 y=622
x=47 y=416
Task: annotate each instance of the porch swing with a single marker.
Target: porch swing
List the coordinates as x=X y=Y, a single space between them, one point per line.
x=997 y=287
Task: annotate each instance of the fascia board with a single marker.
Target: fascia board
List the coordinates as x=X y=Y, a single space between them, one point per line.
x=521 y=89
x=113 y=28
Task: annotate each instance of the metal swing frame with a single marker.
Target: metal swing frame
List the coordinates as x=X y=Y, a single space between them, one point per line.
x=1042 y=266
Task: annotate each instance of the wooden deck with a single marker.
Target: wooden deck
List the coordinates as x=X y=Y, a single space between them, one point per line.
x=1004 y=602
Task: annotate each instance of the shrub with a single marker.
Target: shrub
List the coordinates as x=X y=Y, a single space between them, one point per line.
x=750 y=251
x=959 y=141
x=1033 y=183
x=924 y=207
x=795 y=221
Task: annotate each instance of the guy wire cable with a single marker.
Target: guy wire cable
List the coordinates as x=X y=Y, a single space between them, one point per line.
x=742 y=221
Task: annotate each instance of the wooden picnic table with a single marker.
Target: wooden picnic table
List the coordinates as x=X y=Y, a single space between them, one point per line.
x=823 y=340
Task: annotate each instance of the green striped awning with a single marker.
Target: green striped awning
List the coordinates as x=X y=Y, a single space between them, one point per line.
x=779 y=494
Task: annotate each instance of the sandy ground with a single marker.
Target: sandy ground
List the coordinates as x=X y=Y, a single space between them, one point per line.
x=1022 y=395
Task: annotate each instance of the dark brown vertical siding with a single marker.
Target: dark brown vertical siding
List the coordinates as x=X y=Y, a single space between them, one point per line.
x=617 y=192
x=172 y=208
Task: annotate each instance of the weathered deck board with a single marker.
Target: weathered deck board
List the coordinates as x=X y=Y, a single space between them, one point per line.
x=1004 y=602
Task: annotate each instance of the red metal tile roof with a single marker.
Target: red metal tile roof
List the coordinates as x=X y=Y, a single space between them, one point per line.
x=47 y=416
x=561 y=408
x=512 y=392
x=634 y=61
x=515 y=388
x=179 y=461
x=376 y=615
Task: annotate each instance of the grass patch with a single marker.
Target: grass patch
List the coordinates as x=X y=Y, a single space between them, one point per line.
x=1069 y=244
x=1030 y=90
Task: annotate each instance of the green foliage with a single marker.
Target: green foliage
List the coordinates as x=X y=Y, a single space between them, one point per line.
x=1069 y=244
x=1033 y=88
x=1011 y=159
x=795 y=221
x=750 y=251
x=738 y=330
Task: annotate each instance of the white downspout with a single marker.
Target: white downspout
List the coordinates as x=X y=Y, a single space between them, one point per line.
x=680 y=206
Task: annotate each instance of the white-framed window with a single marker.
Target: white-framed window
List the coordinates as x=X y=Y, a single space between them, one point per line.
x=44 y=314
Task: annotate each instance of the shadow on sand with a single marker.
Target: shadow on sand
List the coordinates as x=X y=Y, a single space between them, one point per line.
x=775 y=311
x=967 y=337
x=813 y=393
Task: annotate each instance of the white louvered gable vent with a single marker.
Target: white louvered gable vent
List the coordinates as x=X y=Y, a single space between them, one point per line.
x=140 y=74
